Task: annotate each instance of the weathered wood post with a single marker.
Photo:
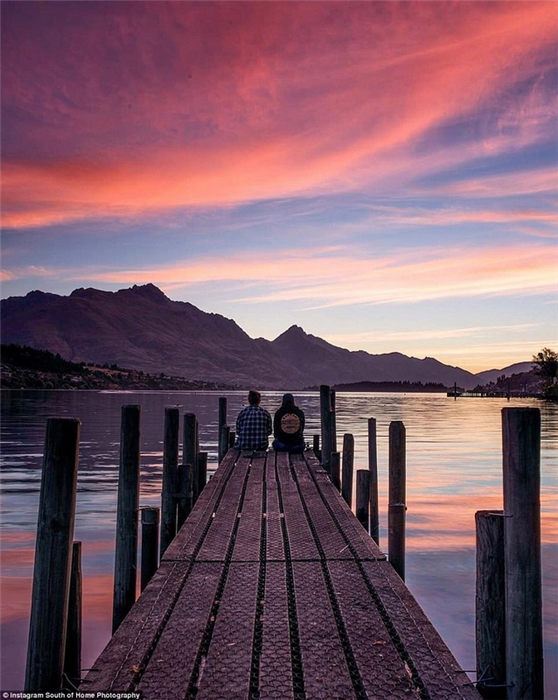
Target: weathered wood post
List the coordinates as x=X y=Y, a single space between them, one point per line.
x=521 y=433
x=224 y=437
x=170 y=477
x=490 y=605
x=347 y=474
x=363 y=497
x=397 y=489
x=51 y=574
x=190 y=449
x=185 y=491
x=373 y=469
x=126 y=551
x=333 y=421
x=232 y=438
x=325 y=420
x=72 y=654
x=316 y=446
x=335 y=466
x=222 y=422
x=202 y=471
x=149 y=544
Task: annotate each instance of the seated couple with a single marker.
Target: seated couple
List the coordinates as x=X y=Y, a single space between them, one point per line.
x=253 y=426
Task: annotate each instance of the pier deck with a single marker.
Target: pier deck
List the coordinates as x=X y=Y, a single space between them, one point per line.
x=272 y=589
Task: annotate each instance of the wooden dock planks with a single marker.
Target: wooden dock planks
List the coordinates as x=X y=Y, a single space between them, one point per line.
x=272 y=589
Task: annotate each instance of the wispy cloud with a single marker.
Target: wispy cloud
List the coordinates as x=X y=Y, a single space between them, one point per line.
x=331 y=276
x=430 y=334
x=538 y=181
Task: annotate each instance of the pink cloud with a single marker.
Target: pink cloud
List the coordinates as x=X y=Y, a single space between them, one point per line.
x=260 y=101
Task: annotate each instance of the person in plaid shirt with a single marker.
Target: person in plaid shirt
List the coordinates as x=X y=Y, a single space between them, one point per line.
x=253 y=425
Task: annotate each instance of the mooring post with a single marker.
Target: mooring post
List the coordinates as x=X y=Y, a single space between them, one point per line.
x=521 y=433
x=224 y=436
x=490 y=605
x=363 y=497
x=397 y=489
x=373 y=469
x=52 y=569
x=170 y=477
x=190 y=449
x=316 y=447
x=185 y=497
x=335 y=467
x=347 y=473
x=332 y=421
x=126 y=550
x=325 y=420
x=149 y=543
x=72 y=653
x=202 y=471
x=232 y=438
x=222 y=422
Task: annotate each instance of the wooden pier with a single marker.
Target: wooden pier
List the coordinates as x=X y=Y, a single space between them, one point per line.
x=273 y=589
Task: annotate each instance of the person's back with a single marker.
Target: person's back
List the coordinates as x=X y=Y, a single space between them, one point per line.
x=253 y=425
x=288 y=426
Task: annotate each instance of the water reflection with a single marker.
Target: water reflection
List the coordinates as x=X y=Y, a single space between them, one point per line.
x=453 y=469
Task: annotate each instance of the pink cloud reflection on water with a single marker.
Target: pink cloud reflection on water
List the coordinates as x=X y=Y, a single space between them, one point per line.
x=17 y=552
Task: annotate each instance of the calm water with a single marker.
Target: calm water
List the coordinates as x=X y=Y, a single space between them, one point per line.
x=453 y=469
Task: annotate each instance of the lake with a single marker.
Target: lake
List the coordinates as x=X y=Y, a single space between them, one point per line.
x=454 y=468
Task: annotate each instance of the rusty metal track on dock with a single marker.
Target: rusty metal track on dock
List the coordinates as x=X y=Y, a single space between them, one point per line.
x=272 y=589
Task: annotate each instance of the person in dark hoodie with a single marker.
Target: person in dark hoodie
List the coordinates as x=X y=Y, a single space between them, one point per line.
x=288 y=426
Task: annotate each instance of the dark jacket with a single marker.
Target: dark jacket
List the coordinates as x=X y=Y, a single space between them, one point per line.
x=288 y=422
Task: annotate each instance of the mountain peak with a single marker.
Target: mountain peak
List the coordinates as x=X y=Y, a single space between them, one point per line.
x=147 y=290
x=293 y=333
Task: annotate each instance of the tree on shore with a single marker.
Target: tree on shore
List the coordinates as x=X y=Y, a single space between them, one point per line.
x=546 y=362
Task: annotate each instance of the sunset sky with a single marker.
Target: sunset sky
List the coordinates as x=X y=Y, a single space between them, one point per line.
x=383 y=174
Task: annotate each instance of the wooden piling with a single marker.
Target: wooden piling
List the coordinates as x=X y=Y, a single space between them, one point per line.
x=185 y=491
x=363 y=497
x=232 y=438
x=149 y=543
x=170 y=477
x=126 y=551
x=72 y=653
x=521 y=432
x=325 y=421
x=373 y=469
x=190 y=449
x=224 y=436
x=335 y=467
x=490 y=605
x=397 y=490
x=316 y=446
x=333 y=421
x=222 y=422
x=52 y=568
x=347 y=473
x=202 y=471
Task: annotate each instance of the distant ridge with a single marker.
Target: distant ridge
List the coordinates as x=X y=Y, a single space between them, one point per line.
x=491 y=375
x=141 y=328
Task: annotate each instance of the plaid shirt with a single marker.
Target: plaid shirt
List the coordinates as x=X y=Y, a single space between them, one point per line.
x=253 y=425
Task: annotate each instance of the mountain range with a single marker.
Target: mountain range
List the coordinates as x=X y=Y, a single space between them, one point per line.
x=141 y=328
